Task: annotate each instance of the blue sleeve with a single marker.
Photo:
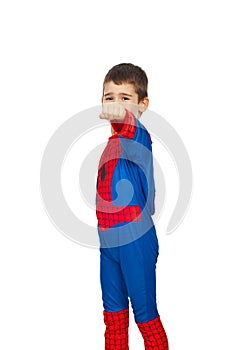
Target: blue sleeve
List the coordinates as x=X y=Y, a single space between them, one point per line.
x=139 y=151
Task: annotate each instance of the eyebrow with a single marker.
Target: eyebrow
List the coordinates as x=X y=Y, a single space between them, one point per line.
x=121 y=93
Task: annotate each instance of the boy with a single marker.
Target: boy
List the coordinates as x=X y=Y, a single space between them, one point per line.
x=124 y=206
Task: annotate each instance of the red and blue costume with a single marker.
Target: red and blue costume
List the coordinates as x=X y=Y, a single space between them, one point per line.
x=129 y=244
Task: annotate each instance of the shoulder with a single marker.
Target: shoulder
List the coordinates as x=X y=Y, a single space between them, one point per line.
x=142 y=135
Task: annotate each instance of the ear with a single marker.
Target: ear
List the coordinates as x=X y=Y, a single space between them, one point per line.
x=143 y=104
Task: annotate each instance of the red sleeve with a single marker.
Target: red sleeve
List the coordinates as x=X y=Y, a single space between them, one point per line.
x=126 y=127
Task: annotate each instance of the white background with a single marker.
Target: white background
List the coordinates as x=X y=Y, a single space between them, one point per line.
x=54 y=55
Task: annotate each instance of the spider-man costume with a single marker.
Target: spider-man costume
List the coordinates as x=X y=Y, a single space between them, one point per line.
x=129 y=244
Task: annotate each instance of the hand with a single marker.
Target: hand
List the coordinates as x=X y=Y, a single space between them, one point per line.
x=113 y=111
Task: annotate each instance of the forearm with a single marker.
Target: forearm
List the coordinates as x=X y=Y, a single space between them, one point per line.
x=125 y=127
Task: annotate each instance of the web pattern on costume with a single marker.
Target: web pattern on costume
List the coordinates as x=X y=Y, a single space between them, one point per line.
x=116 y=334
x=154 y=335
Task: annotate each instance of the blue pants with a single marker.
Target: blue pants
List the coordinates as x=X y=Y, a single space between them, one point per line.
x=130 y=271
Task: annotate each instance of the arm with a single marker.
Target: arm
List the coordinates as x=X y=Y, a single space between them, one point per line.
x=136 y=147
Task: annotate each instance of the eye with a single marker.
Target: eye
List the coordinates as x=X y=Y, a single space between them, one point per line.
x=108 y=98
x=125 y=98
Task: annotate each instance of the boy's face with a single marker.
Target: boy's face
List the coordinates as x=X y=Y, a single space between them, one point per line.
x=124 y=93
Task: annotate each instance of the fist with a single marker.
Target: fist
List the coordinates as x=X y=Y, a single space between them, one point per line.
x=113 y=111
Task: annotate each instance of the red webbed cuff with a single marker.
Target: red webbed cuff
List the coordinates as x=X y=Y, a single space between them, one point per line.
x=126 y=127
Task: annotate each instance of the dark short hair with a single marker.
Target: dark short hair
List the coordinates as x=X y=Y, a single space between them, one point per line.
x=131 y=74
